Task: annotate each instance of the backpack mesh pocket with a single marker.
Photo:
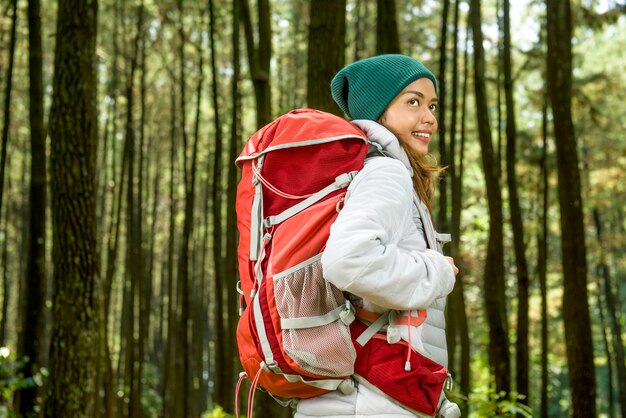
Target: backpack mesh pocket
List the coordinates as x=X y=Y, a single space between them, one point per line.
x=301 y=292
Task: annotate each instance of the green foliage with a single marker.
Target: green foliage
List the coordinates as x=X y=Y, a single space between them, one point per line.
x=12 y=380
x=217 y=412
x=151 y=400
x=485 y=402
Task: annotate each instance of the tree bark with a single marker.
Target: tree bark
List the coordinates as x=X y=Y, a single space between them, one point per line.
x=259 y=56
x=456 y=301
x=542 y=261
x=33 y=309
x=6 y=290
x=387 y=38
x=612 y=303
x=74 y=364
x=231 y=260
x=144 y=281
x=576 y=317
x=170 y=373
x=326 y=52
x=7 y=100
x=361 y=10
x=182 y=338
x=219 y=393
x=198 y=306
x=575 y=304
x=494 y=263
x=444 y=151
x=521 y=360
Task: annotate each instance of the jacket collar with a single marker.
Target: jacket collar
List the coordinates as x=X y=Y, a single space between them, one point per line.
x=383 y=140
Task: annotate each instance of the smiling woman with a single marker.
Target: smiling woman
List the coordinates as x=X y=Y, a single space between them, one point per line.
x=411 y=115
x=384 y=252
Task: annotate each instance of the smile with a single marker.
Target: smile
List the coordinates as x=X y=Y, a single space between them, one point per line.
x=422 y=136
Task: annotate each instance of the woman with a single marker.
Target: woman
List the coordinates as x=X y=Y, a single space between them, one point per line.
x=381 y=249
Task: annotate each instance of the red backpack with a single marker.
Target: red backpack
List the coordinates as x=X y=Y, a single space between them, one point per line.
x=294 y=333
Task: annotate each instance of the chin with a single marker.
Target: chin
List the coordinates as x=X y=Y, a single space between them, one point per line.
x=420 y=150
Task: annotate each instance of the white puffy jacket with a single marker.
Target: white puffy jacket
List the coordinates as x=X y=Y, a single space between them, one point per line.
x=377 y=251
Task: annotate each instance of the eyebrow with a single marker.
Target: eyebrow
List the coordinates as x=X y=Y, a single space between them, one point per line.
x=420 y=94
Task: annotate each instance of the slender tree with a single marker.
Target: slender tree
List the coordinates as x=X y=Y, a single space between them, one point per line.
x=259 y=56
x=494 y=262
x=6 y=289
x=197 y=307
x=170 y=373
x=326 y=30
x=76 y=296
x=183 y=338
x=33 y=316
x=133 y=274
x=521 y=360
x=220 y=393
x=361 y=11
x=444 y=149
x=577 y=322
x=542 y=258
x=387 y=38
x=456 y=301
x=611 y=302
x=7 y=100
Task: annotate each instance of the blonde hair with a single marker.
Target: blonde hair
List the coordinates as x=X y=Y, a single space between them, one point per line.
x=426 y=173
x=426 y=170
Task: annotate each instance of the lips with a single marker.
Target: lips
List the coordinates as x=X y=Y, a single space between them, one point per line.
x=421 y=136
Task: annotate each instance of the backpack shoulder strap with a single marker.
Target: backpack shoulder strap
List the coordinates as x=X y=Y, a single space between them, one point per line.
x=434 y=239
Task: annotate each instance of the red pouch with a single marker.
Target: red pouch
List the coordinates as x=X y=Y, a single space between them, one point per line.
x=382 y=365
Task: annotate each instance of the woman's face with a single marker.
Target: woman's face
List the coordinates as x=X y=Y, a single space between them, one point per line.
x=411 y=115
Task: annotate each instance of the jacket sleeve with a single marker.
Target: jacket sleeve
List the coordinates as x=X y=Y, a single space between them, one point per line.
x=371 y=251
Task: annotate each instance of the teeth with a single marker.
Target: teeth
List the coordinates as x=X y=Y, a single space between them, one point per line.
x=422 y=134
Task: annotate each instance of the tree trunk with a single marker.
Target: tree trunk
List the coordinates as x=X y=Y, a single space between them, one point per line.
x=6 y=290
x=361 y=10
x=156 y=303
x=494 y=263
x=612 y=304
x=134 y=264
x=326 y=52
x=259 y=56
x=542 y=261
x=76 y=296
x=7 y=100
x=576 y=318
x=182 y=337
x=444 y=155
x=33 y=315
x=220 y=393
x=143 y=284
x=521 y=360
x=196 y=300
x=387 y=39
x=456 y=301
x=170 y=374
x=112 y=252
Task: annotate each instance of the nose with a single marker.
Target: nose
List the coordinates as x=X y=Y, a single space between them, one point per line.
x=429 y=117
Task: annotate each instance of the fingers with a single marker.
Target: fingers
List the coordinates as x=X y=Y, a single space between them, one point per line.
x=454 y=267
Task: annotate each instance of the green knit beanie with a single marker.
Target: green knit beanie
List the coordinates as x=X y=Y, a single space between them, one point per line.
x=364 y=89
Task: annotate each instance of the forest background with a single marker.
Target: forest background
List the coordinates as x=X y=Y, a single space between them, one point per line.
x=121 y=120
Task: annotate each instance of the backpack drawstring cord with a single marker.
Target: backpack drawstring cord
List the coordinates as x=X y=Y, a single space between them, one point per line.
x=269 y=185
x=242 y=376
x=253 y=387
x=407 y=364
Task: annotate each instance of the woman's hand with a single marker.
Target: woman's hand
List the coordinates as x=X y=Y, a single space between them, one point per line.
x=454 y=267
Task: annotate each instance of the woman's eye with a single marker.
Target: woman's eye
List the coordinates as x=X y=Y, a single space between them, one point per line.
x=414 y=102
x=433 y=107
